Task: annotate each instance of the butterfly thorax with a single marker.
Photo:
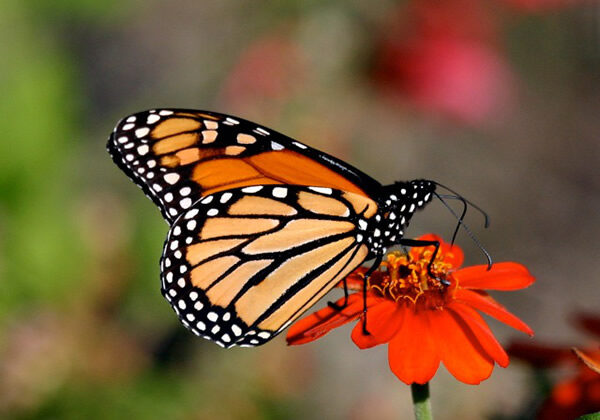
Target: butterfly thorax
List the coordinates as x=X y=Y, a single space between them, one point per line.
x=397 y=204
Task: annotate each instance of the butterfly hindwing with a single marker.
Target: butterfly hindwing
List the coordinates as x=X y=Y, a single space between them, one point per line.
x=239 y=265
x=178 y=156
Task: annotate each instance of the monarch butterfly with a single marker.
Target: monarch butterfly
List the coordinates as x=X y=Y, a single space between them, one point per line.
x=261 y=225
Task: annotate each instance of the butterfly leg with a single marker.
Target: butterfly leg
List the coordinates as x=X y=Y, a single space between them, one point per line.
x=420 y=243
x=342 y=306
x=373 y=267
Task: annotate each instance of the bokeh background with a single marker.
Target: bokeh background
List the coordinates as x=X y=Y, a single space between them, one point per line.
x=498 y=99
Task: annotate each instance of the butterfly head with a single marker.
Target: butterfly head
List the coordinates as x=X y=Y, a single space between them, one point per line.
x=410 y=195
x=399 y=202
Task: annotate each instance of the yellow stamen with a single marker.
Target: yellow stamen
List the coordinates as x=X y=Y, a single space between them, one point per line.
x=401 y=277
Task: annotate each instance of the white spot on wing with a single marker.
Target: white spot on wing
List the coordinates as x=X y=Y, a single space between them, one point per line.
x=321 y=190
x=276 y=146
x=279 y=192
x=152 y=118
x=191 y=213
x=141 y=132
x=252 y=189
x=225 y=197
x=185 y=203
x=300 y=145
x=172 y=178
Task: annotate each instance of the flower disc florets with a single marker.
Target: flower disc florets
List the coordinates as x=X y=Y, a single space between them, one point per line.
x=404 y=278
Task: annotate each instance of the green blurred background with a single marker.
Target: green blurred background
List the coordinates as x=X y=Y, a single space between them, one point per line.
x=497 y=99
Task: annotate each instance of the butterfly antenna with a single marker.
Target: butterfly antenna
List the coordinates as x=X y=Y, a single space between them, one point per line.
x=462 y=216
x=457 y=196
x=466 y=228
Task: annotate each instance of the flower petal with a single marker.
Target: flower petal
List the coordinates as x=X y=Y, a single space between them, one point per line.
x=412 y=353
x=383 y=322
x=459 y=348
x=483 y=302
x=502 y=276
x=481 y=330
x=452 y=253
x=355 y=280
x=324 y=320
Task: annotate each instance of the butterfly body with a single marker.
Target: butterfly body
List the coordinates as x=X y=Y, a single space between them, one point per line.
x=261 y=225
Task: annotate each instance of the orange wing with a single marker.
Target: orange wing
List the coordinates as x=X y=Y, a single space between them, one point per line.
x=179 y=156
x=240 y=265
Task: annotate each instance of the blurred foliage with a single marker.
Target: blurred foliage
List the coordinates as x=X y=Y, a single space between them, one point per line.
x=84 y=332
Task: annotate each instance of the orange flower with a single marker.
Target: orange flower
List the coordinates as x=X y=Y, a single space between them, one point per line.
x=577 y=394
x=423 y=321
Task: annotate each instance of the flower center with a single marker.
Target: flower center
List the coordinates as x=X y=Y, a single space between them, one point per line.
x=404 y=278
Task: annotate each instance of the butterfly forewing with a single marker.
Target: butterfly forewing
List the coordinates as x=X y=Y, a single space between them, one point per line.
x=241 y=264
x=178 y=156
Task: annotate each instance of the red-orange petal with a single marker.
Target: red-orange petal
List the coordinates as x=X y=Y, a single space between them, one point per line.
x=483 y=302
x=355 y=280
x=502 y=276
x=412 y=353
x=482 y=331
x=383 y=322
x=459 y=348
x=454 y=256
x=452 y=253
x=324 y=320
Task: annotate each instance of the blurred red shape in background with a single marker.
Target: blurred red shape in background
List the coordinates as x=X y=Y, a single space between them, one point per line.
x=577 y=394
x=270 y=70
x=448 y=60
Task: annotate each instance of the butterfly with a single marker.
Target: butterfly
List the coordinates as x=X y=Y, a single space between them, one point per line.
x=261 y=225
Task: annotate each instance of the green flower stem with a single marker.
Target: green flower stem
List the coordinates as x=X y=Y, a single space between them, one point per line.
x=421 y=401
